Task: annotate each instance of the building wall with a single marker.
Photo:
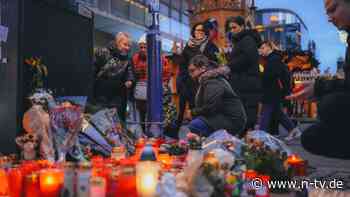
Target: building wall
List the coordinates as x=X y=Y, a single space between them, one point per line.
x=10 y=80
x=220 y=10
x=132 y=16
x=284 y=27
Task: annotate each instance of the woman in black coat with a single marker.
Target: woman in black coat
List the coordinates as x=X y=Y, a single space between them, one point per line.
x=217 y=106
x=244 y=65
x=198 y=44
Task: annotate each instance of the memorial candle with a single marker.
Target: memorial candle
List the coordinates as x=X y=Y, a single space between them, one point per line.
x=50 y=182
x=297 y=164
x=147 y=173
x=4 y=187
x=97 y=187
x=69 y=174
x=31 y=185
x=15 y=182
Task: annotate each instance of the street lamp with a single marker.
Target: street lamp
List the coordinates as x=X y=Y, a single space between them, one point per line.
x=154 y=87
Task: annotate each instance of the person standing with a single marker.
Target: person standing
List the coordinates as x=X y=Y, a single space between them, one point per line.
x=275 y=86
x=114 y=74
x=244 y=64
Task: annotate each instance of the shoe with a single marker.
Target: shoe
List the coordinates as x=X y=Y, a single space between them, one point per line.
x=294 y=134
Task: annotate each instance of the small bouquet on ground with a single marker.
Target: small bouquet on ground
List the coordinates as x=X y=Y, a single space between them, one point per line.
x=266 y=155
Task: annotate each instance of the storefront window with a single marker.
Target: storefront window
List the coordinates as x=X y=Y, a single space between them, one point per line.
x=185 y=19
x=164 y=23
x=175 y=15
x=176 y=4
x=120 y=8
x=137 y=14
x=164 y=9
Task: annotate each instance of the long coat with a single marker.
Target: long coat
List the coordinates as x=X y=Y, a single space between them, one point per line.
x=244 y=65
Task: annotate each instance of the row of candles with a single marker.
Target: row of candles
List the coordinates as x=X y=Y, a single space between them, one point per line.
x=115 y=176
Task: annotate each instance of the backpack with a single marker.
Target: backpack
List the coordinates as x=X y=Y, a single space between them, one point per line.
x=285 y=81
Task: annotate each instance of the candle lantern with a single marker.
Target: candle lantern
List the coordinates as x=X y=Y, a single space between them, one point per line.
x=31 y=185
x=50 y=182
x=97 y=187
x=83 y=177
x=69 y=174
x=15 y=182
x=297 y=165
x=4 y=185
x=147 y=173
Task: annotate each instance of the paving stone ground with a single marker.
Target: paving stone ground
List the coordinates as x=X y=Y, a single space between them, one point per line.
x=323 y=168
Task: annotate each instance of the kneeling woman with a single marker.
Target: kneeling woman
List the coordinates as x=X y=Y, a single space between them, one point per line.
x=217 y=106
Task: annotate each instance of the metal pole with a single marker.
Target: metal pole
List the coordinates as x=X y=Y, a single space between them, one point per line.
x=154 y=88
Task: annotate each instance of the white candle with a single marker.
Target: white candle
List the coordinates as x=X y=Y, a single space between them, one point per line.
x=147 y=173
x=97 y=187
x=83 y=177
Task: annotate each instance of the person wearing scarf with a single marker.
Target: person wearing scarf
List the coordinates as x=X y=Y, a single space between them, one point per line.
x=197 y=44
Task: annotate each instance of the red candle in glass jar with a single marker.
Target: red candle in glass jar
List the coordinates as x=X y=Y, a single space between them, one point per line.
x=50 y=182
x=126 y=184
x=297 y=164
x=15 y=182
x=31 y=185
x=4 y=184
x=250 y=174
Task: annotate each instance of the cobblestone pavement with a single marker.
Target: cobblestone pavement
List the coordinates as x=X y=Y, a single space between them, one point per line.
x=323 y=168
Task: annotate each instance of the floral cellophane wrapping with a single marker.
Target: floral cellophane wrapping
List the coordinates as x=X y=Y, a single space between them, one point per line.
x=268 y=140
x=37 y=121
x=66 y=123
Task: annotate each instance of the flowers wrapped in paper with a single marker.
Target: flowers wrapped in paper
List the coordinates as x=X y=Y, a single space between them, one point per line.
x=223 y=140
x=66 y=119
x=261 y=138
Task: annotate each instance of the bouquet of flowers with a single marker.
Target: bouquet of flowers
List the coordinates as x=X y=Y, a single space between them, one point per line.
x=66 y=121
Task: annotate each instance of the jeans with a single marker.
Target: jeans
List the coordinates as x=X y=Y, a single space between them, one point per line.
x=267 y=114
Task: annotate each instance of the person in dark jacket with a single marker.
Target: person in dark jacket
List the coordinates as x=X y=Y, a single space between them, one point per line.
x=243 y=62
x=273 y=89
x=198 y=44
x=114 y=74
x=330 y=136
x=217 y=106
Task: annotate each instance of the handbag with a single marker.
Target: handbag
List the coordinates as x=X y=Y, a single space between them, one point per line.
x=140 y=92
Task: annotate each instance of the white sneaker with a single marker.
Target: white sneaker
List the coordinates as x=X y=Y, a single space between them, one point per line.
x=294 y=134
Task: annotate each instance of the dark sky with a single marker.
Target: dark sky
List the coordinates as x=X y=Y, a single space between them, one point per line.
x=326 y=36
